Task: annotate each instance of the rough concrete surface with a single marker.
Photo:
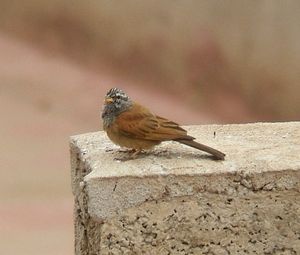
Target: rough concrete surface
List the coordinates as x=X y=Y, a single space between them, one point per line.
x=177 y=200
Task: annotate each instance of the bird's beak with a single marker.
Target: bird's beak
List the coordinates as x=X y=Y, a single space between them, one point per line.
x=108 y=100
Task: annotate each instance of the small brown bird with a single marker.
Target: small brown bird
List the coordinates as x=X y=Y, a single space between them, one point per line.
x=131 y=125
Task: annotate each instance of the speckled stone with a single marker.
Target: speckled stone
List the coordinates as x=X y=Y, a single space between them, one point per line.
x=177 y=200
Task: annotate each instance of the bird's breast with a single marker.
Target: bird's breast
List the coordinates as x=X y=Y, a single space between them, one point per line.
x=129 y=142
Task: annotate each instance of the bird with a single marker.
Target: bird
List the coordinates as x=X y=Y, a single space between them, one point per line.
x=133 y=126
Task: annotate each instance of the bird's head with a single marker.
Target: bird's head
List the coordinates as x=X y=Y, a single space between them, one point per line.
x=115 y=102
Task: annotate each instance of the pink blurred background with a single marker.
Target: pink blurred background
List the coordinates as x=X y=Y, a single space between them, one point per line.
x=196 y=62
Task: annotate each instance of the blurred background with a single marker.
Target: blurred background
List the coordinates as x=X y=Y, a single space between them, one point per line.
x=196 y=62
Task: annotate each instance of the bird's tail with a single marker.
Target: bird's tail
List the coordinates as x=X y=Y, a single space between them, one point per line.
x=218 y=154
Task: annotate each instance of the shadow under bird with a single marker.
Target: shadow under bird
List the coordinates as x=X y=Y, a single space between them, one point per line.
x=131 y=125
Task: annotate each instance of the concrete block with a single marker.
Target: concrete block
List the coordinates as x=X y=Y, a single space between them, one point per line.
x=177 y=200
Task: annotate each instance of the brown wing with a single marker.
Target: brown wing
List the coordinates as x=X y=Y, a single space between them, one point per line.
x=140 y=123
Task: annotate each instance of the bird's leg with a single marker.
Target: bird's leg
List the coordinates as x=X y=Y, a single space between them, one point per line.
x=135 y=154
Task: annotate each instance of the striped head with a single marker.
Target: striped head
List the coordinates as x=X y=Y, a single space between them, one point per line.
x=115 y=102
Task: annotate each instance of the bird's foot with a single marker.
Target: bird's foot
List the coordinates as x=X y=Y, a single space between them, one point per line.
x=125 y=150
x=134 y=154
